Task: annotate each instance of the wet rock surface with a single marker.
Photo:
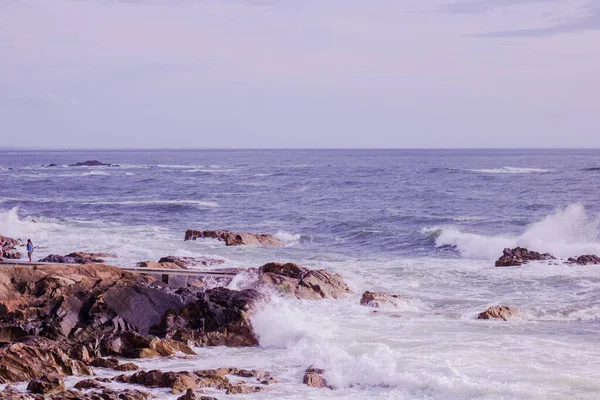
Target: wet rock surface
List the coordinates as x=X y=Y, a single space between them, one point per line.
x=380 y=299
x=300 y=282
x=236 y=238
x=47 y=385
x=186 y=262
x=499 y=312
x=519 y=256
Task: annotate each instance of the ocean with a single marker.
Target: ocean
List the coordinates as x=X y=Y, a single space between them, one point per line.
x=424 y=224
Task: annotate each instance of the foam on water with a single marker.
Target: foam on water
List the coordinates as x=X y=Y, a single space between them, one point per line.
x=512 y=170
x=567 y=232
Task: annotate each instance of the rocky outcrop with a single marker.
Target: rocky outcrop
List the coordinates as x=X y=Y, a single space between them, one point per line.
x=236 y=238
x=9 y=243
x=300 y=282
x=184 y=381
x=381 y=299
x=499 y=312
x=219 y=317
x=47 y=385
x=313 y=377
x=519 y=255
x=92 y=163
x=78 y=257
x=186 y=262
x=36 y=357
x=584 y=260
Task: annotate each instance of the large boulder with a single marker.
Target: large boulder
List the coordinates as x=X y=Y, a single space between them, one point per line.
x=299 y=282
x=381 y=299
x=519 y=255
x=9 y=243
x=584 y=260
x=499 y=312
x=236 y=238
x=47 y=384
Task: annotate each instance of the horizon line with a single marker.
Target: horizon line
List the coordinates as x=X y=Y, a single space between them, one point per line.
x=9 y=148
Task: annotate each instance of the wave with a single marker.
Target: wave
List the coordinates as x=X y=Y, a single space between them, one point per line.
x=566 y=233
x=512 y=170
x=145 y=202
x=592 y=169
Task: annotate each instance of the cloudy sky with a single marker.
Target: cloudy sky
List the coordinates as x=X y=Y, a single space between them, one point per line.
x=299 y=73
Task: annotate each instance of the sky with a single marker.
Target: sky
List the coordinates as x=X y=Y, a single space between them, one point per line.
x=299 y=73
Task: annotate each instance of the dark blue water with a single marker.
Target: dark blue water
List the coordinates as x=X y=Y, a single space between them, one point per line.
x=366 y=201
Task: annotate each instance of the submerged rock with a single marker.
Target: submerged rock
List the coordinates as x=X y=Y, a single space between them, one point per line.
x=380 y=299
x=236 y=238
x=519 y=255
x=499 y=312
x=300 y=282
x=584 y=260
x=313 y=377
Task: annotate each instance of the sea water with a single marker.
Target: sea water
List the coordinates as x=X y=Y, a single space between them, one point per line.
x=424 y=224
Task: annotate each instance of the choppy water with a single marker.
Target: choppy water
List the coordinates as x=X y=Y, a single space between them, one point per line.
x=423 y=224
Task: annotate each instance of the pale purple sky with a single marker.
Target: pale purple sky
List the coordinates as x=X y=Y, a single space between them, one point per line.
x=299 y=73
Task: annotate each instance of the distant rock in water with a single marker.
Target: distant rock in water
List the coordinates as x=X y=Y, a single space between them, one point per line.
x=313 y=377
x=293 y=280
x=236 y=238
x=499 y=312
x=519 y=256
x=90 y=163
x=584 y=260
x=380 y=299
x=78 y=257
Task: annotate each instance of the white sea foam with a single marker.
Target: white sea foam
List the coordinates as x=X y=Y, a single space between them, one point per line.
x=512 y=170
x=288 y=238
x=567 y=232
x=142 y=202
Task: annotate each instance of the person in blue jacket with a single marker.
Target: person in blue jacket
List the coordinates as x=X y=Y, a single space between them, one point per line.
x=29 y=249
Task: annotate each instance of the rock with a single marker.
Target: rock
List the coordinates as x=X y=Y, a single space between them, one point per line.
x=78 y=257
x=177 y=381
x=313 y=377
x=51 y=165
x=92 y=163
x=380 y=299
x=110 y=363
x=296 y=281
x=127 y=367
x=9 y=243
x=86 y=384
x=34 y=358
x=190 y=395
x=499 y=312
x=47 y=385
x=12 y=255
x=236 y=238
x=185 y=262
x=218 y=318
x=584 y=260
x=102 y=394
x=519 y=256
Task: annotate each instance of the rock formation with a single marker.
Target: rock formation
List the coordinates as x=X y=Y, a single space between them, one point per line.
x=296 y=281
x=314 y=377
x=499 y=312
x=186 y=262
x=584 y=260
x=519 y=256
x=380 y=299
x=236 y=238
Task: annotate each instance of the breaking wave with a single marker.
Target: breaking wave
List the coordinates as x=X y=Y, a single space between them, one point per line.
x=512 y=170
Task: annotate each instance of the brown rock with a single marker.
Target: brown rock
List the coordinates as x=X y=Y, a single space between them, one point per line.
x=584 y=260
x=102 y=394
x=379 y=299
x=177 y=381
x=89 y=384
x=78 y=257
x=499 y=312
x=296 y=281
x=47 y=384
x=110 y=363
x=190 y=395
x=185 y=262
x=519 y=256
x=236 y=238
x=127 y=367
x=314 y=377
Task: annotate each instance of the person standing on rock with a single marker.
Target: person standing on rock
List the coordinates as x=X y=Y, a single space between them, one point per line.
x=29 y=249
